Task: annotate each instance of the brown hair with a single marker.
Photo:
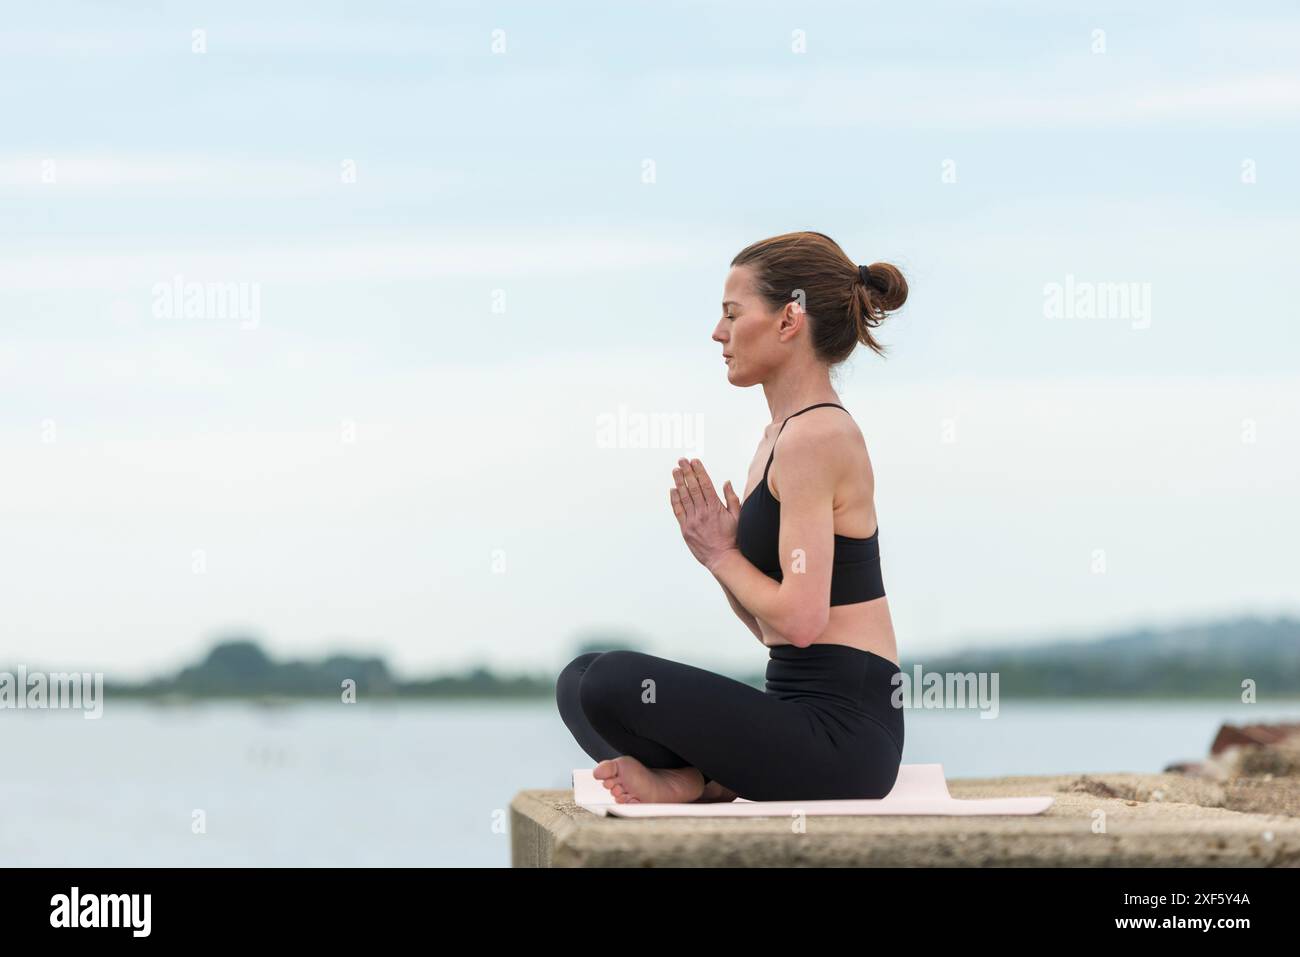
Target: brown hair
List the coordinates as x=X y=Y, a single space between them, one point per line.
x=842 y=309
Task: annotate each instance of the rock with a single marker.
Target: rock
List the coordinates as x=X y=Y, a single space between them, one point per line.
x=1230 y=735
x=1107 y=819
x=1251 y=750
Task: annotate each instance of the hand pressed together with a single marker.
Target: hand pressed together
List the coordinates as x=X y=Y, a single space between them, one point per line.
x=708 y=524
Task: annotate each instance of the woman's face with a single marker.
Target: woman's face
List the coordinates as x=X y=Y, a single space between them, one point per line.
x=747 y=330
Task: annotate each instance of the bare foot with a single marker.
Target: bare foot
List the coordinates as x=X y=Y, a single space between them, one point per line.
x=631 y=782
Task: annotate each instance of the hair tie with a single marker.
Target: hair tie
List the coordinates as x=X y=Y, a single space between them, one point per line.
x=864 y=273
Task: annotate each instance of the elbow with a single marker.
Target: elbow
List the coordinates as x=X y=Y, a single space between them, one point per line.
x=802 y=639
x=806 y=627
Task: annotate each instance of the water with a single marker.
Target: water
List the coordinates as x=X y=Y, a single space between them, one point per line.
x=431 y=783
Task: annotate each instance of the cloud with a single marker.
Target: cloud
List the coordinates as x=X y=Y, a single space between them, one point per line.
x=514 y=253
x=1076 y=93
x=209 y=177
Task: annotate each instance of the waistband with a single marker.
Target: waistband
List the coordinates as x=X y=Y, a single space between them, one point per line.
x=824 y=651
x=830 y=671
x=839 y=680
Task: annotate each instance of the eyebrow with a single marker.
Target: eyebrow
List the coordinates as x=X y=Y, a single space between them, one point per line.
x=729 y=302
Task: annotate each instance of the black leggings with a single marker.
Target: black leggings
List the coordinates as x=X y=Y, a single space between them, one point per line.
x=824 y=727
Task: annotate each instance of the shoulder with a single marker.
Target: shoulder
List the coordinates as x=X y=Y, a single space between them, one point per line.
x=821 y=441
x=820 y=427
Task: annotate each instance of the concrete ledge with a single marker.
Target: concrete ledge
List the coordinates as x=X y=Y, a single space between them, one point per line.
x=1151 y=820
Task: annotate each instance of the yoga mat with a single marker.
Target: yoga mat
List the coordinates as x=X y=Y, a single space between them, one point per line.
x=920 y=789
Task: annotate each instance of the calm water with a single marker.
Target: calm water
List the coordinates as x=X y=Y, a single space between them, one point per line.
x=430 y=784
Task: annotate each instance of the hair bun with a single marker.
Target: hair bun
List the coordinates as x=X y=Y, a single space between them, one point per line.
x=887 y=285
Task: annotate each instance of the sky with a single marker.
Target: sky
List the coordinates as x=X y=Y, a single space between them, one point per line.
x=436 y=246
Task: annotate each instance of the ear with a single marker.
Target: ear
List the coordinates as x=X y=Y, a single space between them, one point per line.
x=792 y=319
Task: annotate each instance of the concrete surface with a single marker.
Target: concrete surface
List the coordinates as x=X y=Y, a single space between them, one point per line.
x=1098 y=820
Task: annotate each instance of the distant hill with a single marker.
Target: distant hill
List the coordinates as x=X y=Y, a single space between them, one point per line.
x=239 y=668
x=1187 y=661
x=1210 y=659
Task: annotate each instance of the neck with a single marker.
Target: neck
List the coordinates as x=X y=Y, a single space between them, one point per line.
x=793 y=388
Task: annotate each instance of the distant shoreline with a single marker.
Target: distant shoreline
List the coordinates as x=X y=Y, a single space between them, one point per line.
x=168 y=699
x=1238 y=659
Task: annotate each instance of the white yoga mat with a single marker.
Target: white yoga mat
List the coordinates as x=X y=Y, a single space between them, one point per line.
x=920 y=789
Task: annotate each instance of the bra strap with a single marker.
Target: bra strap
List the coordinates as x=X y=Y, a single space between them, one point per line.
x=801 y=412
x=771 y=455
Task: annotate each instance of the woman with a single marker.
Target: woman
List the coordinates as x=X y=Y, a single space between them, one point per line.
x=799 y=562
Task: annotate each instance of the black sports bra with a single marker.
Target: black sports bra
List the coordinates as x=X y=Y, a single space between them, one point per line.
x=855 y=572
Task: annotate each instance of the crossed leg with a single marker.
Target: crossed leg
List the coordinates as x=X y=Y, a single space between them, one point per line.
x=667 y=715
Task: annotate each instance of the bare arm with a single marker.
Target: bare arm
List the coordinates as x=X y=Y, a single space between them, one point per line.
x=750 y=621
x=797 y=607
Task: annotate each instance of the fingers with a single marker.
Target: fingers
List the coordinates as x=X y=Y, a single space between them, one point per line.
x=702 y=477
x=676 y=502
x=687 y=490
x=733 y=500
